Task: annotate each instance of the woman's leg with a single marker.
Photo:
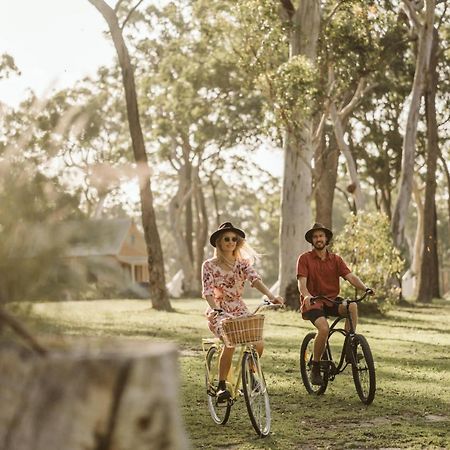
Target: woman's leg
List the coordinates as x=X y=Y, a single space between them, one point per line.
x=225 y=362
x=260 y=348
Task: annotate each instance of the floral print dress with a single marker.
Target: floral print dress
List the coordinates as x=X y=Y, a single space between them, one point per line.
x=226 y=287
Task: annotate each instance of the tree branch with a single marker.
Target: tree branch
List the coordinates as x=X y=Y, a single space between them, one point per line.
x=330 y=16
x=288 y=7
x=320 y=127
x=116 y=8
x=411 y=14
x=351 y=105
x=130 y=13
x=21 y=331
x=441 y=19
x=359 y=94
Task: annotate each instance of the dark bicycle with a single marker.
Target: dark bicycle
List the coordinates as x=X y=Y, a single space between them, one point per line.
x=355 y=351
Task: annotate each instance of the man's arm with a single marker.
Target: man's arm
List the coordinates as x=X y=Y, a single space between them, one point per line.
x=304 y=291
x=355 y=281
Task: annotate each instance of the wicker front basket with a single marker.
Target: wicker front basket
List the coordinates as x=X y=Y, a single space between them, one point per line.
x=243 y=330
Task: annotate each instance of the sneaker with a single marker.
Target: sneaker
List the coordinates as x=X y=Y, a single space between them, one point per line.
x=223 y=395
x=316 y=377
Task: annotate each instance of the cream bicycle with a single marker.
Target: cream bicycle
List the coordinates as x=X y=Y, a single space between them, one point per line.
x=244 y=332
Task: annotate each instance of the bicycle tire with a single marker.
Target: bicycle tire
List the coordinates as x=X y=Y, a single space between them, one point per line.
x=255 y=394
x=363 y=369
x=306 y=355
x=220 y=412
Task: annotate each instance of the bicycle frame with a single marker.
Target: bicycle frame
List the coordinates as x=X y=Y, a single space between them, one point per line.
x=340 y=367
x=235 y=374
x=355 y=352
x=348 y=335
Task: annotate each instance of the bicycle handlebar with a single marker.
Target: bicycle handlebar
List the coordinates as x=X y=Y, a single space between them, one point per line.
x=342 y=301
x=266 y=303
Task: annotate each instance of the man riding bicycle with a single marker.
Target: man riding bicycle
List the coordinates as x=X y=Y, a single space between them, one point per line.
x=318 y=273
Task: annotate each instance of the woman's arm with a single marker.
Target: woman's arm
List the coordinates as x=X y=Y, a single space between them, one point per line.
x=211 y=302
x=258 y=284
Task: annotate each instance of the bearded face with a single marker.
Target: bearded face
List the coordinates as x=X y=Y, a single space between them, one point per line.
x=319 y=240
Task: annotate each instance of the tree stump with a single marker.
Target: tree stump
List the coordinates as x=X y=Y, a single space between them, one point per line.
x=121 y=397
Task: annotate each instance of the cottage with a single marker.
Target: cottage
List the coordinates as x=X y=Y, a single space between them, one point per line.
x=113 y=242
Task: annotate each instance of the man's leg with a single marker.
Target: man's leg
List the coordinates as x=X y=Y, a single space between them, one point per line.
x=353 y=308
x=323 y=328
x=320 y=342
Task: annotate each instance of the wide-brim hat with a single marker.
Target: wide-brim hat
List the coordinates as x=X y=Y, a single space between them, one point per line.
x=226 y=226
x=315 y=227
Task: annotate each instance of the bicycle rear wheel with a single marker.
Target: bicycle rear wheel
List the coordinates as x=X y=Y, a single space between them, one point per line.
x=363 y=369
x=220 y=412
x=255 y=393
x=306 y=355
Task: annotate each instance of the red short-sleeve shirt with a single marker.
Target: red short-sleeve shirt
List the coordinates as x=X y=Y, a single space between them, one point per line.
x=322 y=275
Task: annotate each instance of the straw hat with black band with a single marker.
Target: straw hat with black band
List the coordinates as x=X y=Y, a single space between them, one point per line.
x=226 y=226
x=318 y=226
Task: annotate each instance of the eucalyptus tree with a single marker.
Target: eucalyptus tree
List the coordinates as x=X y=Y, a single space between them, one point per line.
x=422 y=21
x=157 y=285
x=194 y=94
x=375 y=127
x=429 y=271
x=279 y=50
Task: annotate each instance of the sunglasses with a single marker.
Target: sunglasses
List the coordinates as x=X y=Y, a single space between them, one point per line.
x=230 y=239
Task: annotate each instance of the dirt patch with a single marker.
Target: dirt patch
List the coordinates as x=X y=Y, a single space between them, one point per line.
x=436 y=418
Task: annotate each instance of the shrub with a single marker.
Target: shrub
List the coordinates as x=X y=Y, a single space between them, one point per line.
x=367 y=247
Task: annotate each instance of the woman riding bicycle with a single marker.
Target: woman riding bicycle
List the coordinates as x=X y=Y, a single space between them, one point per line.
x=318 y=273
x=223 y=280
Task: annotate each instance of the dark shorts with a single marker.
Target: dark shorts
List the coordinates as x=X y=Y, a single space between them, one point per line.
x=325 y=311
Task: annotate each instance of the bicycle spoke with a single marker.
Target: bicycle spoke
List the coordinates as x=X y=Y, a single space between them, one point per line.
x=255 y=394
x=220 y=412
x=363 y=370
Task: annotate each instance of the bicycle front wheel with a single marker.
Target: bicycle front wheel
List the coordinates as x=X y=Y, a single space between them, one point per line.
x=306 y=355
x=220 y=412
x=255 y=393
x=363 y=369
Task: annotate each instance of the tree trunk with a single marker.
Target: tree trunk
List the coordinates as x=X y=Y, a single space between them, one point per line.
x=355 y=187
x=425 y=35
x=158 y=291
x=429 y=273
x=447 y=176
x=191 y=285
x=295 y=210
x=326 y=164
x=418 y=241
x=201 y=232
x=121 y=398
x=189 y=222
x=298 y=152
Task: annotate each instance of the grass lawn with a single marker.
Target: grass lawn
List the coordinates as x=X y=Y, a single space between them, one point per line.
x=411 y=347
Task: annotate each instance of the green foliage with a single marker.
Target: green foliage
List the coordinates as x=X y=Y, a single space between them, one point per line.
x=295 y=89
x=7 y=66
x=366 y=245
x=30 y=206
